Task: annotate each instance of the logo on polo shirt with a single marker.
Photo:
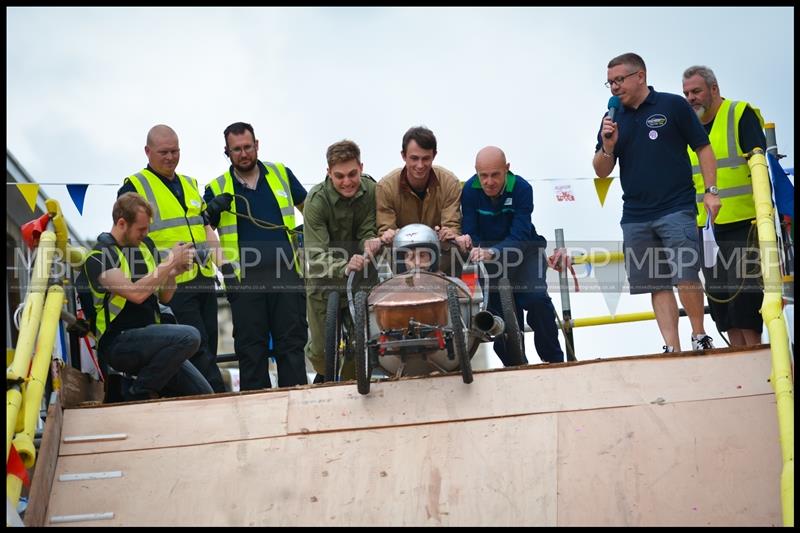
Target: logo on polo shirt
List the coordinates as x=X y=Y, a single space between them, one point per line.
x=656 y=121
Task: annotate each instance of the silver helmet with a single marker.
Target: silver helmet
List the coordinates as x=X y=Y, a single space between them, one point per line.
x=414 y=236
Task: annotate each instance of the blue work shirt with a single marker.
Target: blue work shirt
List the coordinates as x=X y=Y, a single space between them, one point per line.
x=655 y=171
x=504 y=225
x=263 y=206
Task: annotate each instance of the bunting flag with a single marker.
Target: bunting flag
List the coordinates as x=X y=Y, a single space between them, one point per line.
x=601 y=185
x=78 y=193
x=782 y=187
x=609 y=280
x=29 y=191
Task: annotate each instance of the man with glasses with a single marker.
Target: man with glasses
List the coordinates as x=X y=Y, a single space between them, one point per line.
x=650 y=139
x=260 y=263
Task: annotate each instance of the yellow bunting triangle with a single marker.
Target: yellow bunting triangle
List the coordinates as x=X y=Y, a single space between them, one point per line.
x=30 y=191
x=602 y=185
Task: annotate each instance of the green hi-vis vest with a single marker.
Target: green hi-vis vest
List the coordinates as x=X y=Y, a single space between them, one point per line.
x=733 y=173
x=107 y=307
x=171 y=224
x=278 y=182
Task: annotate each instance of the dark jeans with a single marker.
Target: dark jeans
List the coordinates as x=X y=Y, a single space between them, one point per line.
x=541 y=317
x=157 y=355
x=195 y=304
x=534 y=299
x=279 y=313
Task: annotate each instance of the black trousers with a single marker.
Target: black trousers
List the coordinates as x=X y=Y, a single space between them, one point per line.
x=279 y=311
x=195 y=304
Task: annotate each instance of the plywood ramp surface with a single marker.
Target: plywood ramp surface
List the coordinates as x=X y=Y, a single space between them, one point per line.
x=535 y=389
x=660 y=441
x=176 y=422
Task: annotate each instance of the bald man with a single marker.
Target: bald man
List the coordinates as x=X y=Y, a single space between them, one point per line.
x=497 y=205
x=179 y=216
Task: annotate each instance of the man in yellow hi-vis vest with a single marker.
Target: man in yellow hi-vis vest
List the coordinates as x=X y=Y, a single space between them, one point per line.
x=127 y=283
x=178 y=211
x=734 y=128
x=260 y=264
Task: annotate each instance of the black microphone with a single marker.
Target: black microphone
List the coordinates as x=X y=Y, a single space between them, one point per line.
x=613 y=105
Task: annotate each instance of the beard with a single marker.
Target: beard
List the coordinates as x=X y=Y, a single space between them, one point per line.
x=700 y=111
x=248 y=168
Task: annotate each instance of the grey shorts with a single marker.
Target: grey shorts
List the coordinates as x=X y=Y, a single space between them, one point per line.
x=663 y=252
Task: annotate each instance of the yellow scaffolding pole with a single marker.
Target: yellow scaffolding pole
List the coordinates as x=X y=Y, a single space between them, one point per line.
x=616 y=319
x=599 y=257
x=17 y=372
x=772 y=313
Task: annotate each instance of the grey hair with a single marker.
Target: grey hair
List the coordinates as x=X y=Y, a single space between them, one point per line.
x=704 y=72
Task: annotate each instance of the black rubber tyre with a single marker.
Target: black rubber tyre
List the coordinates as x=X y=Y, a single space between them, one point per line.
x=360 y=327
x=459 y=342
x=333 y=338
x=513 y=336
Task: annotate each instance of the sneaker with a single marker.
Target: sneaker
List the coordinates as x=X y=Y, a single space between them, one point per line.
x=669 y=349
x=319 y=378
x=703 y=342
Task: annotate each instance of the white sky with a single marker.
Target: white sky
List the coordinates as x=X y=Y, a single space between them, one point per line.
x=85 y=84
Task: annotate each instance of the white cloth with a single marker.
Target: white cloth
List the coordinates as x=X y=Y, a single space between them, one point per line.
x=710 y=247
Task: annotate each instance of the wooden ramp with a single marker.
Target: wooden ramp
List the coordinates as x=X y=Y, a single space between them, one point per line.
x=657 y=440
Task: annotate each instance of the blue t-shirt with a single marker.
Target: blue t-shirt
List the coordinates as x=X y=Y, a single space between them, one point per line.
x=259 y=246
x=655 y=171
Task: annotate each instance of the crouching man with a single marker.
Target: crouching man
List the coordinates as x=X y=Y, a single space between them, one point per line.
x=127 y=281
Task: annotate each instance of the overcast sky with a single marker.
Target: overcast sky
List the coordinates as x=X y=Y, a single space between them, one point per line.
x=84 y=85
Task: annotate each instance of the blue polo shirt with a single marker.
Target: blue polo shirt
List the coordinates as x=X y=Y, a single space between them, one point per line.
x=263 y=206
x=655 y=171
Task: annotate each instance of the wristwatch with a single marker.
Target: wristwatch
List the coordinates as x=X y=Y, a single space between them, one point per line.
x=712 y=190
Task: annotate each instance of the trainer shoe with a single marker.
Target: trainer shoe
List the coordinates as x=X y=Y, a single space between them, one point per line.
x=703 y=342
x=669 y=349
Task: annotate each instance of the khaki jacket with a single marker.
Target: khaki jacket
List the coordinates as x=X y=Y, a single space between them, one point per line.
x=399 y=206
x=335 y=228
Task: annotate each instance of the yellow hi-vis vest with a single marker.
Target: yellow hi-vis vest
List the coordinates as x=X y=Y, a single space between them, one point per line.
x=733 y=173
x=108 y=306
x=171 y=224
x=278 y=181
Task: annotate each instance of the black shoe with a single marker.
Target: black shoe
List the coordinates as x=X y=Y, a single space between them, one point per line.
x=136 y=394
x=319 y=378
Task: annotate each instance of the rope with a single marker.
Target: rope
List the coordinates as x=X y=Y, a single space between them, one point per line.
x=262 y=223
x=750 y=242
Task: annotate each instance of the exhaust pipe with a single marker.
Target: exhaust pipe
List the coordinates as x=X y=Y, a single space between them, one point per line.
x=488 y=324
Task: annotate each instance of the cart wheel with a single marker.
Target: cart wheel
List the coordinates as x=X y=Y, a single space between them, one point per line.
x=363 y=370
x=513 y=337
x=333 y=338
x=459 y=343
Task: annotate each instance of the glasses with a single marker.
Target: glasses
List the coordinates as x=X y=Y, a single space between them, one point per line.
x=619 y=79
x=239 y=149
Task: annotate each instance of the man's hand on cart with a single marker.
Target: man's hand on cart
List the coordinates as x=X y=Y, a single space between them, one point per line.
x=372 y=246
